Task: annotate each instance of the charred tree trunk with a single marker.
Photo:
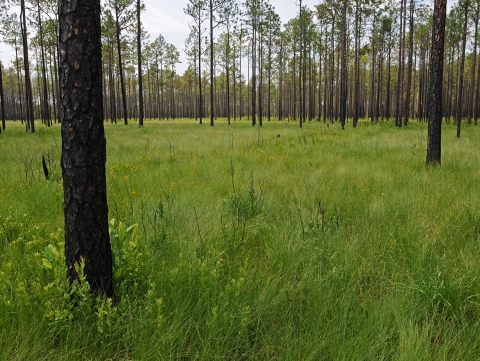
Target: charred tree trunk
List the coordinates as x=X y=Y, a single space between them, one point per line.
x=84 y=145
x=436 y=80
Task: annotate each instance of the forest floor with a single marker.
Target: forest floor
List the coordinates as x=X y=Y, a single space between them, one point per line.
x=248 y=243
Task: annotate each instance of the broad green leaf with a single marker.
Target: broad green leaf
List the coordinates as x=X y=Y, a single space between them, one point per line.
x=46 y=263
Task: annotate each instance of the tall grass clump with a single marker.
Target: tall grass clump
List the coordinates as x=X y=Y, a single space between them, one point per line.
x=273 y=243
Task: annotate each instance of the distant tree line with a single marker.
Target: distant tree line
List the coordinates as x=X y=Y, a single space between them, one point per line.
x=336 y=61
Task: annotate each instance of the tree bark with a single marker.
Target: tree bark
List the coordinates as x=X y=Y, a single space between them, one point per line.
x=28 y=83
x=84 y=145
x=343 y=81
x=45 y=108
x=212 y=106
x=436 y=80
x=140 y=76
x=473 y=100
x=120 y=68
x=459 y=106
x=406 y=111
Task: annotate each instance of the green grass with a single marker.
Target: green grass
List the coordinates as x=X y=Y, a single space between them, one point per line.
x=273 y=243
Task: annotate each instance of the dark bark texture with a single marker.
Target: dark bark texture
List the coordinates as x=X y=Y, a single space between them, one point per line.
x=84 y=144
x=436 y=80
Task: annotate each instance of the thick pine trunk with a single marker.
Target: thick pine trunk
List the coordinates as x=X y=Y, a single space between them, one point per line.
x=84 y=145
x=436 y=80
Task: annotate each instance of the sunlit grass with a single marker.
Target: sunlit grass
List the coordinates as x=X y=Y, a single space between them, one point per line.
x=273 y=243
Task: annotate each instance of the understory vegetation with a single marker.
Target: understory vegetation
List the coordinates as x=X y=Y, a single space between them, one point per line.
x=244 y=243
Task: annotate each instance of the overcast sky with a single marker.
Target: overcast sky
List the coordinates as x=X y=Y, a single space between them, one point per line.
x=166 y=17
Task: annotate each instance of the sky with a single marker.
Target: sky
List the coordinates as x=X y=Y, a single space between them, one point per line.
x=167 y=17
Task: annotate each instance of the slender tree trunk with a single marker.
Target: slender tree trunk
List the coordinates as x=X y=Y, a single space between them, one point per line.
x=113 y=109
x=343 y=80
x=53 y=70
x=240 y=89
x=260 y=85
x=254 y=76
x=211 y=66
x=436 y=80
x=477 y=88
x=371 y=104
x=320 y=83
x=269 y=94
x=200 y=100
x=388 y=100
x=410 y=64
x=28 y=83
x=228 y=75
x=280 y=83
x=45 y=107
x=120 y=68
x=473 y=100
x=84 y=146
x=325 y=91
x=235 y=106
x=140 y=76
x=356 y=64
x=459 y=106
x=300 y=68
x=20 y=84
x=294 y=76
x=332 y=71
x=401 y=48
